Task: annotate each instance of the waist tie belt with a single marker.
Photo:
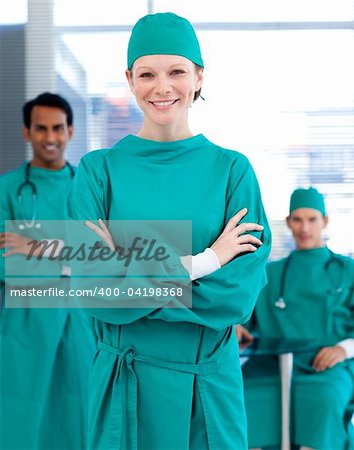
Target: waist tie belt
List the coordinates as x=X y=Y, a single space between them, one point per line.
x=125 y=358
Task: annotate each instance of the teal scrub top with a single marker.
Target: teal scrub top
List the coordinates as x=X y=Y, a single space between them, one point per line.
x=319 y=298
x=163 y=377
x=45 y=354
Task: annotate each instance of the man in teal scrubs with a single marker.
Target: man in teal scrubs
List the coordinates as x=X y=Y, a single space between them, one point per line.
x=42 y=373
x=316 y=303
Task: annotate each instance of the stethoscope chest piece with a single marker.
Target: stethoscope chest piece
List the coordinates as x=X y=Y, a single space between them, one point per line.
x=280 y=303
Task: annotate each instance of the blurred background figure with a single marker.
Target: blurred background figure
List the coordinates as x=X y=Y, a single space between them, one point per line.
x=309 y=296
x=43 y=370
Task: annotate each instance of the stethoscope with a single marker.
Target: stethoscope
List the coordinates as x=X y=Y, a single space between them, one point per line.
x=32 y=223
x=280 y=303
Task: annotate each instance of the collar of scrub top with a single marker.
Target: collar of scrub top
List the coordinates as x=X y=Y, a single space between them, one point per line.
x=337 y=288
x=31 y=223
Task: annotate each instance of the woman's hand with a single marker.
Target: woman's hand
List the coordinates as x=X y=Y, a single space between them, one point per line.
x=103 y=232
x=230 y=243
x=244 y=337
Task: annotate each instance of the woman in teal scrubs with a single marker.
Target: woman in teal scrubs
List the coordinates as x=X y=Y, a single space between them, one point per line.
x=168 y=377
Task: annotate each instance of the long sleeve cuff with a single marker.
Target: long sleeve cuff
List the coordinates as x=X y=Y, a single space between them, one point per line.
x=202 y=264
x=54 y=251
x=66 y=271
x=348 y=346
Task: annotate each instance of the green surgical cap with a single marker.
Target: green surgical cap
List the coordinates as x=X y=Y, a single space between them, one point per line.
x=163 y=34
x=307 y=198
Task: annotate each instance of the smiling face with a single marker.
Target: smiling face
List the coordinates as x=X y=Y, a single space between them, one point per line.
x=307 y=225
x=48 y=134
x=164 y=87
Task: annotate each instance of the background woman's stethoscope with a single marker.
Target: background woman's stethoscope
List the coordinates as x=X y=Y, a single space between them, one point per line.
x=31 y=223
x=280 y=303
